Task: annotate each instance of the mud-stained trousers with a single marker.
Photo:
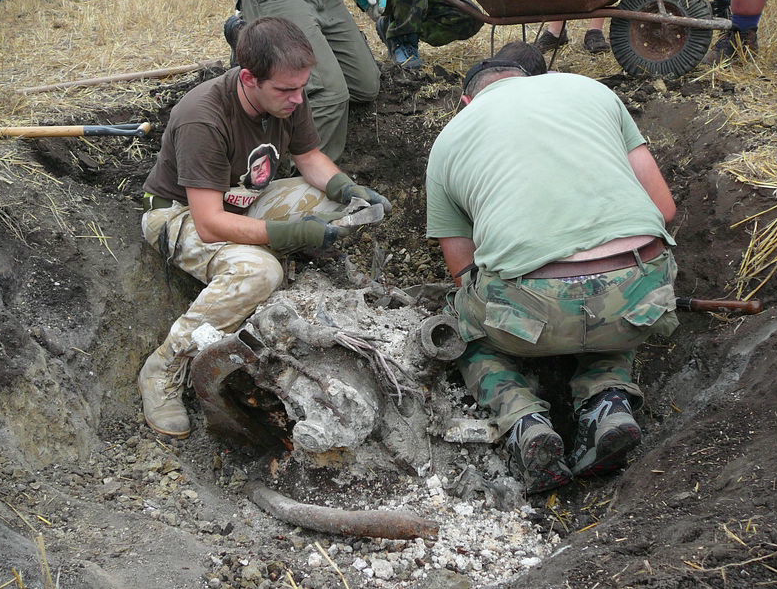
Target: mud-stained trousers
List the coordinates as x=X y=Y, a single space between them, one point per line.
x=238 y=277
x=600 y=319
x=345 y=68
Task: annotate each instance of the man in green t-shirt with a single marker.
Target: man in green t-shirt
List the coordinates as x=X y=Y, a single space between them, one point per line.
x=551 y=213
x=213 y=209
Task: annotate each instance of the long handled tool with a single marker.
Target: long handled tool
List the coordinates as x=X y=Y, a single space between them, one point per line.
x=747 y=307
x=130 y=129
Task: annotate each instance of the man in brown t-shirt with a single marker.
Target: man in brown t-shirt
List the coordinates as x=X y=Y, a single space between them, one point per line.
x=229 y=239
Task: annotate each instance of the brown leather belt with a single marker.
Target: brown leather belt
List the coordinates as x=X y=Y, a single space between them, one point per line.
x=619 y=261
x=152 y=201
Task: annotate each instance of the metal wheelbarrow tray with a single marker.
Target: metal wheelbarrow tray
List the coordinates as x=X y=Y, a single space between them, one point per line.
x=648 y=37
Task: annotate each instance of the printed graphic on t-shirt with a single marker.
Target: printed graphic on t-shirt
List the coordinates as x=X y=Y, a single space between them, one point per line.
x=261 y=169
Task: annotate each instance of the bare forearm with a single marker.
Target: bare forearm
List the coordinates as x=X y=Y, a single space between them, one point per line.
x=214 y=224
x=316 y=168
x=459 y=252
x=649 y=175
x=232 y=227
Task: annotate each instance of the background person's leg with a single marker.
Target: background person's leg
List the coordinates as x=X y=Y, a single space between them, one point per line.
x=327 y=87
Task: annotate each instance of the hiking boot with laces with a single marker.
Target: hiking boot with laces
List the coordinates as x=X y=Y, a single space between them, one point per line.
x=594 y=41
x=548 y=41
x=232 y=27
x=402 y=49
x=161 y=382
x=606 y=432
x=537 y=454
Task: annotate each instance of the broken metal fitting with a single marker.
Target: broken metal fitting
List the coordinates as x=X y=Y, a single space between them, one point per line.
x=439 y=338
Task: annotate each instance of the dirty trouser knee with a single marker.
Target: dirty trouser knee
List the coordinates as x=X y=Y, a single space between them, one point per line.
x=345 y=68
x=601 y=319
x=497 y=384
x=238 y=277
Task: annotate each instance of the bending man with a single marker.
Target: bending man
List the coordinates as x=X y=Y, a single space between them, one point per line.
x=557 y=238
x=230 y=240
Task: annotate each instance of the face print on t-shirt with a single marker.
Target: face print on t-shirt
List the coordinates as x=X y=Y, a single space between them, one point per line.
x=262 y=166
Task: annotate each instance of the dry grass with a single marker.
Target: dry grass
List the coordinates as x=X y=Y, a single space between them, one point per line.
x=49 y=41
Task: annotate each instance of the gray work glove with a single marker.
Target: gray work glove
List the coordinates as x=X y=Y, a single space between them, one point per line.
x=342 y=189
x=312 y=231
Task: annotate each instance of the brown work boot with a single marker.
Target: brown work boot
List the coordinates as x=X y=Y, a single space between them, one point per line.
x=161 y=382
x=594 y=41
x=548 y=41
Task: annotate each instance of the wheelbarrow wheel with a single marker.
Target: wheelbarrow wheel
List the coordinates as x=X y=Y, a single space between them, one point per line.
x=654 y=49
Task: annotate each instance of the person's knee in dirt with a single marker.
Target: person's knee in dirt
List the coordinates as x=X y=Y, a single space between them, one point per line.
x=556 y=36
x=557 y=240
x=741 y=41
x=345 y=69
x=403 y=23
x=214 y=209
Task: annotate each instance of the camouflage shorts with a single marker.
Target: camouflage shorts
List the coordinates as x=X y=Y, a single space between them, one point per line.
x=238 y=277
x=611 y=312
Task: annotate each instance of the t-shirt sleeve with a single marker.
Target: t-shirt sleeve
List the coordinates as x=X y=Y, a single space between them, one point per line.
x=631 y=134
x=304 y=135
x=444 y=218
x=200 y=154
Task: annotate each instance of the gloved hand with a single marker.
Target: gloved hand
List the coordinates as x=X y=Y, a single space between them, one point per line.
x=312 y=231
x=342 y=189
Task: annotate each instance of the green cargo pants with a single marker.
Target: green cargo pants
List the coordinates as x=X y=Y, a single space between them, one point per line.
x=345 y=68
x=600 y=319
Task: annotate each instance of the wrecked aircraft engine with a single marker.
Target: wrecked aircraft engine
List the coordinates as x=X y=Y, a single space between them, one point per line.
x=342 y=369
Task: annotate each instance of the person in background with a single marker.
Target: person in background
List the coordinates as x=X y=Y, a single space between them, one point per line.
x=556 y=36
x=345 y=69
x=743 y=35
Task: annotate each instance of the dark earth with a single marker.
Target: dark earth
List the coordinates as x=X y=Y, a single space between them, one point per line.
x=79 y=314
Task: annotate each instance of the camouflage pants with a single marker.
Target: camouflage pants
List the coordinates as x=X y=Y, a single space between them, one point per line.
x=433 y=21
x=238 y=277
x=600 y=319
x=345 y=68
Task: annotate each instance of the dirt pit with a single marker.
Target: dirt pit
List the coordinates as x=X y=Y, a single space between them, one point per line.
x=84 y=300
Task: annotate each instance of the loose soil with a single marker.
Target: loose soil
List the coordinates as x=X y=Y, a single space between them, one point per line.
x=83 y=300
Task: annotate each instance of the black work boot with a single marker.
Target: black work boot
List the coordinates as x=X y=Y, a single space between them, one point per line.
x=606 y=433
x=232 y=28
x=537 y=454
x=548 y=41
x=594 y=41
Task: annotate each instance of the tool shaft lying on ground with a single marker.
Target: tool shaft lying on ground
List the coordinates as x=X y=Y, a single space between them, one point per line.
x=748 y=307
x=129 y=129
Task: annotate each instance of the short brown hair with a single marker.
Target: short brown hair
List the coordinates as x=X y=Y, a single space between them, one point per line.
x=268 y=44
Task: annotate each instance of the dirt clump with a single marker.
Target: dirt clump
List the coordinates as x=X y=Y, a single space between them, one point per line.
x=83 y=300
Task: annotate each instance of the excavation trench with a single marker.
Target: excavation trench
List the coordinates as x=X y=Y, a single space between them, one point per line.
x=84 y=300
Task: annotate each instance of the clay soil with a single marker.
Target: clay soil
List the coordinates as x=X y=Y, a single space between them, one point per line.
x=83 y=300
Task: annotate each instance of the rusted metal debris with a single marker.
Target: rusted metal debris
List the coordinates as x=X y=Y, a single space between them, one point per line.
x=371 y=523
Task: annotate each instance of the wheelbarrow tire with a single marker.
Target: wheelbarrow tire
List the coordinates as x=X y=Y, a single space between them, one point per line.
x=652 y=49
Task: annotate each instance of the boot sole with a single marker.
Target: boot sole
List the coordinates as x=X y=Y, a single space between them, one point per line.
x=159 y=430
x=610 y=451
x=545 y=467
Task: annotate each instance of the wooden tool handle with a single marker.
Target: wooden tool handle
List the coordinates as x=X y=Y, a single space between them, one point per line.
x=50 y=131
x=136 y=129
x=748 y=307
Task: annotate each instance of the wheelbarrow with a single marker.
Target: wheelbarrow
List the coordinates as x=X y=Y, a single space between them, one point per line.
x=648 y=37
